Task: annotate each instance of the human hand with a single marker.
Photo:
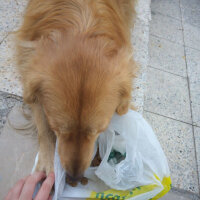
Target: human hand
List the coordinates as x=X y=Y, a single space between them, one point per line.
x=24 y=188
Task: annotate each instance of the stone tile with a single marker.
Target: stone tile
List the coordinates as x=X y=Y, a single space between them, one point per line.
x=193 y=65
x=191 y=36
x=192 y=4
x=167 y=94
x=9 y=78
x=176 y=139
x=16 y=162
x=167 y=56
x=9 y=16
x=196 y=114
x=138 y=93
x=166 y=27
x=2 y=36
x=197 y=143
x=11 y=13
x=167 y=7
x=21 y=6
x=191 y=16
x=140 y=38
x=177 y=195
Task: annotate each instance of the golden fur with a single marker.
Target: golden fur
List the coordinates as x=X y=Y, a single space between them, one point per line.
x=76 y=62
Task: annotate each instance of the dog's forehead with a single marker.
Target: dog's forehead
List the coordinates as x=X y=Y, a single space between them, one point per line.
x=76 y=128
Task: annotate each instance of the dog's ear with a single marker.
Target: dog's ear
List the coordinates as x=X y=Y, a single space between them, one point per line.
x=32 y=89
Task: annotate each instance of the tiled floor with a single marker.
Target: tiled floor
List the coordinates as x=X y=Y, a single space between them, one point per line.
x=163 y=58
x=177 y=142
x=10 y=14
x=175 y=194
x=6 y=9
x=172 y=98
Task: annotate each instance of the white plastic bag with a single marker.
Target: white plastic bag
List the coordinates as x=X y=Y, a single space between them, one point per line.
x=133 y=164
x=144 y=154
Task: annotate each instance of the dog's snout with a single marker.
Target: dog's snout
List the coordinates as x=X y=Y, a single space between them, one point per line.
x=74 y=177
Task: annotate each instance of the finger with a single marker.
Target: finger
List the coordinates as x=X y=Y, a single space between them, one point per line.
x=30 y=184
x=8 y=197
x=50 y=198
x=16 y=191
x=46 y=187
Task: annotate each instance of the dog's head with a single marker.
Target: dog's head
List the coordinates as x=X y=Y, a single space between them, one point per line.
x=79 y=85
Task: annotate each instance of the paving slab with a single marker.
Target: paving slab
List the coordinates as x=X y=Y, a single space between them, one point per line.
x=9 y=78
x=169 y=8
x=197 y=144
x=141 y=57
x=192 y=4
x=167 y=56
x=2 y=36
x=195 y=114
x=191 y=36
x=191 y=16
x=166 y=27
x=167 y=94
x=177 y=141
x=175 y=194
x=21 y=6
x=193 y=65
x=16 y=162
x=10 y=16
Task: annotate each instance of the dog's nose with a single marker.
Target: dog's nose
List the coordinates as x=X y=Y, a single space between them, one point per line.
x=74 y=178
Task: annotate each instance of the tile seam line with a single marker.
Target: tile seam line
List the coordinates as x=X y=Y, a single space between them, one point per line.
x=8 y=94
x=176 y=19
x=159 y=37
x=182 y=7
x=167 y=72
x=192 y=47
x=196 y=126
x=184 y=192
x=177 y=43
x=166 y=15
x=188 y=81
x=166 y=40
x=148 y=111
x=167 y=117
x=4 y=38
x=193 y=25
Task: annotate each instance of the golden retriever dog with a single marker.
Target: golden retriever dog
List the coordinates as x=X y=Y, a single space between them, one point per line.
x=76 y=62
